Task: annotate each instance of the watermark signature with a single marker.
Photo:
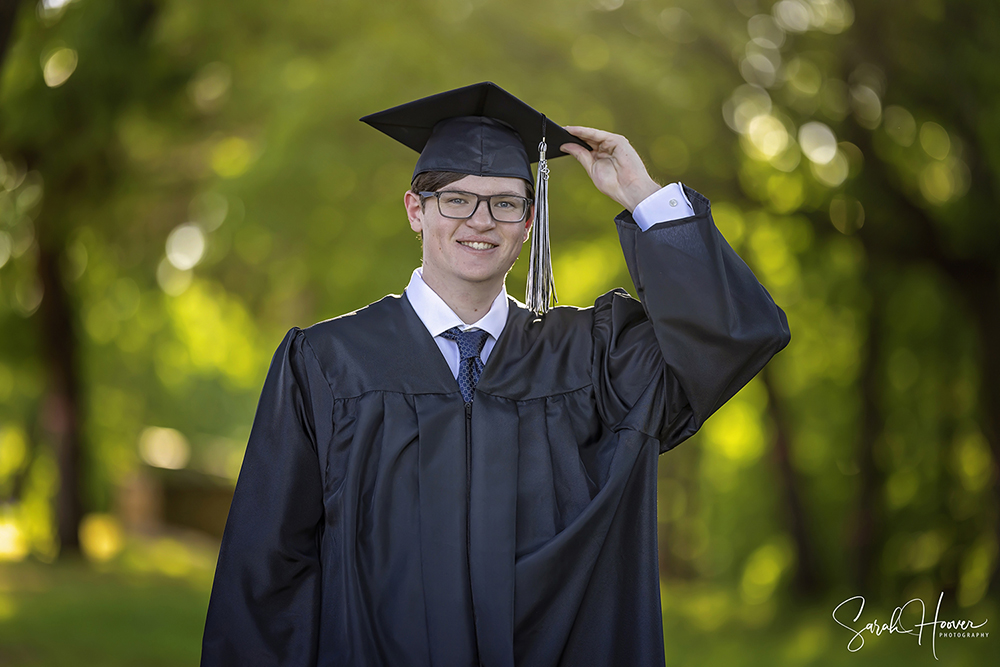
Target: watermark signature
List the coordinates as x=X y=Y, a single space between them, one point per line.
x=937 y=627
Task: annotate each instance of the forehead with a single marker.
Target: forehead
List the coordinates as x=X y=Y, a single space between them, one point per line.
x=489 y=185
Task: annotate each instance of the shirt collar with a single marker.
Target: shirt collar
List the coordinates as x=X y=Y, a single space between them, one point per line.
x=438 y=317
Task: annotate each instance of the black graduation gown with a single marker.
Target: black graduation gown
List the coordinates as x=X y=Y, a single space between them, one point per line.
x=378 y=521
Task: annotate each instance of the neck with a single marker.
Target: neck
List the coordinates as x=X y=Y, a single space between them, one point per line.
x=470 y=301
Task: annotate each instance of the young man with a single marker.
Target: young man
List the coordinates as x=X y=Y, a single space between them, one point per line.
x=448 y=478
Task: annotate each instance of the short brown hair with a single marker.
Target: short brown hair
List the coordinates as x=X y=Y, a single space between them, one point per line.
x=432 y=181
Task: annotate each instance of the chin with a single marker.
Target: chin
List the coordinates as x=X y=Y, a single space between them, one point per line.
x=476 y=278
x=479 y=274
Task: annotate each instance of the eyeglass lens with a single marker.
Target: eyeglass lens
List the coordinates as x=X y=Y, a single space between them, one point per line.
x=504 y=208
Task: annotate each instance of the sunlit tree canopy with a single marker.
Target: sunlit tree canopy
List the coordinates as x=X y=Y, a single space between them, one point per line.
x=182 y=182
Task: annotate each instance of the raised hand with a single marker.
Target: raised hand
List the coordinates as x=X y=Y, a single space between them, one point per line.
x=614 y=166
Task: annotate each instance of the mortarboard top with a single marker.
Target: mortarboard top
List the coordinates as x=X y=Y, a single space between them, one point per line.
x=479 y=129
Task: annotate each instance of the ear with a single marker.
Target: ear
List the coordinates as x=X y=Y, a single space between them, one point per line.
x=527 y=224
x=414 y=210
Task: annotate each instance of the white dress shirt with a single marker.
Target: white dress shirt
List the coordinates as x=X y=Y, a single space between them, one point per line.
x=668 y=203
x=438 y=317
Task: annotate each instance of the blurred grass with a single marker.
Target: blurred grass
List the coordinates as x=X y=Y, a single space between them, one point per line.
x=73 y=615
x=76 y=613
x=139 y=610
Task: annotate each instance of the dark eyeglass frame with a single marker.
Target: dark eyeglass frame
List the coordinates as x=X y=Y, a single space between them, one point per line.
x=479 y=198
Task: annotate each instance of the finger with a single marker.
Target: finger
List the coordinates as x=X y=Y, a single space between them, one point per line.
x=582 y=155
x=587 y=133
x=594 y=137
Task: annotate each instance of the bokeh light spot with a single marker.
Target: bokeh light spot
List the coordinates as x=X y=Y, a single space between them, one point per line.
x=937 y=183
x=50 y=10
x=788 y=159
x=735 y=431
x=792 y=15
x=172 y=280
x=901 y=488
x=76 y=258
x=971 y=460
x=231 y=157
x=28 y=293
x=765 y=32
x=101 y=537
x=6 y=248
x=834 y=172
x=923 y=551
x=935 y=141
x=209 y=210
x=746 y=103
x=832 y=16
x=818 y=142
x=7 y=607
x=186 y=246
x=13 y=542
x=101 y=322
x=804 y=77
x=846 y=214
x=786 y=192
x=31 y=192
x=164 y=448
x=209 y=87
x=758 y=68
x=768 y=135
x=899 y=125
x=762 y=572
x=976 y=569
x=59 y=67
x=867 y=106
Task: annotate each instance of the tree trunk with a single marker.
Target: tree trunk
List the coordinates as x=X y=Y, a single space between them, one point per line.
x=867 y=515
x=8 y=16
x=982 y=291
x=808 y=581
x=60 y=412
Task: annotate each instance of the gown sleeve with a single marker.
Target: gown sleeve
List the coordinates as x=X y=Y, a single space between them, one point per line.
x=264 y=607
x=703 y=327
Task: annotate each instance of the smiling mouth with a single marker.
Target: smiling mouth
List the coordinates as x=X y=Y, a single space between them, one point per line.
x=478 y=245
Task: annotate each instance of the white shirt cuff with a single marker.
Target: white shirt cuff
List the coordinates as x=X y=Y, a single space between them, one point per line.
x=667 y=203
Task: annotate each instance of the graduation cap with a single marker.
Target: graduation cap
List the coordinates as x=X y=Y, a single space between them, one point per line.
x=485 y=131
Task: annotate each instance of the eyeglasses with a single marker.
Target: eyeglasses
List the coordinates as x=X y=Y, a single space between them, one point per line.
x=463 y=205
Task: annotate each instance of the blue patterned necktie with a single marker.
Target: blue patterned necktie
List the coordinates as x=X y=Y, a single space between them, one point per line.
x=470 y=367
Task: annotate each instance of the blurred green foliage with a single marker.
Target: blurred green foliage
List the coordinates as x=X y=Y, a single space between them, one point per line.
x=198 y=173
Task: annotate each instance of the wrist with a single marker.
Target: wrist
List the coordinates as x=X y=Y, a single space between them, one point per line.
x=638 y=193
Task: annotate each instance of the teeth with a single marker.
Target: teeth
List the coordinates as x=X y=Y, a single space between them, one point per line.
x=477 y=245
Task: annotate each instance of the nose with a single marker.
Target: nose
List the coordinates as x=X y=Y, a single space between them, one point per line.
x=481 y=216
